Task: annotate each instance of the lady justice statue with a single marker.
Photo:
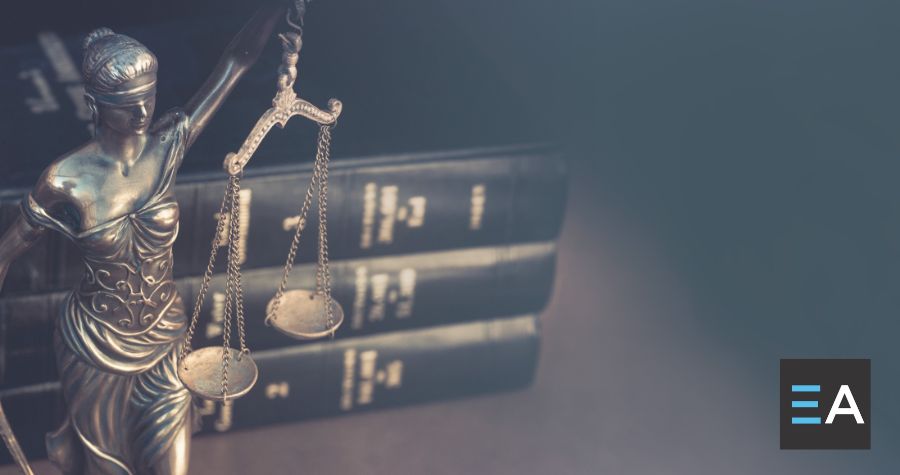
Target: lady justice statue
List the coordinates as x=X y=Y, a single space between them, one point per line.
x=118 y=333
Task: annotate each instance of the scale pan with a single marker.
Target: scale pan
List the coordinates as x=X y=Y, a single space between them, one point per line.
x=302 y=315
x=201 y=373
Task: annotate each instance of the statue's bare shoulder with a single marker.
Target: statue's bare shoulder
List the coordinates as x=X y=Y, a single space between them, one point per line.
x=68 y=177
x=75 y=186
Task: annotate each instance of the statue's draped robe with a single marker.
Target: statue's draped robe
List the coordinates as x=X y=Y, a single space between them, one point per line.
x=119 y=331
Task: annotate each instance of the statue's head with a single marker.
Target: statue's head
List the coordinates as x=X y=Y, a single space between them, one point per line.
x=119 y=81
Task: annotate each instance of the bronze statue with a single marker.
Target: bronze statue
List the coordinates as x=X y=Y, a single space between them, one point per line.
x=118 y=334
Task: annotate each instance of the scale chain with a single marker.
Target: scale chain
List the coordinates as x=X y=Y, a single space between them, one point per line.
x=235 y=266
x=324 y=152
x=319 y=183
x=233 y=287
x=207 y=277
x=242 y=334
x=318 y=187
x=295 y=244
x=229 y=288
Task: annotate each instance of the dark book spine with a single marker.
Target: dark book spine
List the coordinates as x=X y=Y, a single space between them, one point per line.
x=398 y=205
x=378 y=295
x=398 y=208
x=342 y=376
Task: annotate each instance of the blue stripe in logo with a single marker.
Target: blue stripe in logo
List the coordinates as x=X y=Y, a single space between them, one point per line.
x=806 y=420
x=804 y=403
x=805 y=388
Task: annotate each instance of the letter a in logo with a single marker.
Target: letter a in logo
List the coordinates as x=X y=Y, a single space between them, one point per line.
x=844 y=393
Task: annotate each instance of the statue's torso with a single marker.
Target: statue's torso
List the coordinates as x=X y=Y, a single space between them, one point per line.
x=124 y=226
x=128 y=283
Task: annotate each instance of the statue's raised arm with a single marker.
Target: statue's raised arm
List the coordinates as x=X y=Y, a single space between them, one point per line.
x=239 y=56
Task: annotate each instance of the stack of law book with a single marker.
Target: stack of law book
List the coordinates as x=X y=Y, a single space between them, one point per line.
x=441 y=260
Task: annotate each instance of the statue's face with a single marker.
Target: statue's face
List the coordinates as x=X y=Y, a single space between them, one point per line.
x=130 y=113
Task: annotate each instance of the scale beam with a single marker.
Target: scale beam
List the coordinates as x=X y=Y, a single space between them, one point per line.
x=285 y=105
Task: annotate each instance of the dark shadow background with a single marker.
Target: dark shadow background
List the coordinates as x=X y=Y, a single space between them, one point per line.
x=733 y=202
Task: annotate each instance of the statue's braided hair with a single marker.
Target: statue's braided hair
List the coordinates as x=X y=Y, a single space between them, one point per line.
x=111 y=59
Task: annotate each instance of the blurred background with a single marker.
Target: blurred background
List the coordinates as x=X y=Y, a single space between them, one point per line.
x=731 y=202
